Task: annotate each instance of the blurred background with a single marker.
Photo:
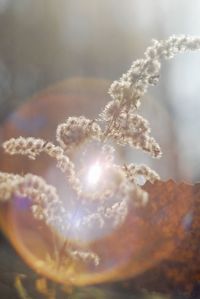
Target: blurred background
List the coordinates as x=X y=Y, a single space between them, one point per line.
x=79 y=47
x=46 y=41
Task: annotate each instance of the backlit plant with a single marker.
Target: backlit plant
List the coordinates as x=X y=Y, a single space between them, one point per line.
x=105 y=189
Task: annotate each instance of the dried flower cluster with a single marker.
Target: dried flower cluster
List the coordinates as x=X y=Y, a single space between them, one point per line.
x=134 y=171
x=118 y=123
x=75 y=131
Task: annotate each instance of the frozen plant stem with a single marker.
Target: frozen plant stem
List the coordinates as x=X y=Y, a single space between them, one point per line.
x=118 y=122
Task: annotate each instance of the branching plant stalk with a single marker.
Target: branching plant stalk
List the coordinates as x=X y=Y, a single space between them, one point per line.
x=120 y=124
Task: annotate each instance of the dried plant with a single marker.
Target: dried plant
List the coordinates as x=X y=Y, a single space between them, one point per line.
x=118 y=123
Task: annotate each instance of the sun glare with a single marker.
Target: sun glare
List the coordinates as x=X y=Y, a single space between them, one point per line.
x=94 y=174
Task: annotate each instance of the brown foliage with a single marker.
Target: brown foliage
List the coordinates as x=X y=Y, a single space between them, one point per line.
x=176 y=209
